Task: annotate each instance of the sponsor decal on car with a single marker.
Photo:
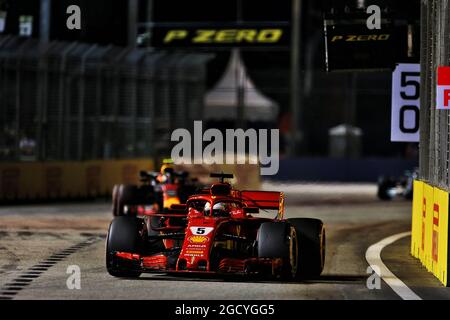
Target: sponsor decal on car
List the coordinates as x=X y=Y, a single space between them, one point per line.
x=198 y=239
x=194 y=253
x=196 y=246
x=204 y=231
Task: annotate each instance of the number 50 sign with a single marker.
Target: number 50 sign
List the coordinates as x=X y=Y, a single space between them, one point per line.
x=405 y=103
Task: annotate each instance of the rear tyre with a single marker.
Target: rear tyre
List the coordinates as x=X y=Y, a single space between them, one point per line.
x=126 y=195
x=125 y=234
x=311 y=246
x=384 y=186
x=278 y=240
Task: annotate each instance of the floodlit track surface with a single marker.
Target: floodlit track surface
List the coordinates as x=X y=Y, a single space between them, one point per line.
x=38 y=243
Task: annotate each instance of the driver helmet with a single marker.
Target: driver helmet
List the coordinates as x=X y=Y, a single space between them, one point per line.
x=220 y=209
x=166 y=168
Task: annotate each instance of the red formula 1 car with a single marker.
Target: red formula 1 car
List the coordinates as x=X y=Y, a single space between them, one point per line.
x=216 y=232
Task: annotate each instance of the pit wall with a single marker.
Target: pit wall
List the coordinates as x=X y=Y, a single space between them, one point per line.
x=430 y=229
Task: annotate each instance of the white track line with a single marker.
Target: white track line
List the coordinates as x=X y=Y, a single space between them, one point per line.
x=373 y=257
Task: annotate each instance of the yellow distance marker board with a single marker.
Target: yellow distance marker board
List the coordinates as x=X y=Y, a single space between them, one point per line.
x=439 y=235
x=427 y=212
x=430 y=228
x=416 y=225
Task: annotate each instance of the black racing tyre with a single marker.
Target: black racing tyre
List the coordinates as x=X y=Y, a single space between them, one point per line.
x=311 y=246
x=279 y=240
x=125 y=234
x=384 y=185
x=126 y=195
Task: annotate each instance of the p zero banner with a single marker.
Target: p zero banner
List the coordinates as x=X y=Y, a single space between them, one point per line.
x=351 y=45
x=275 y=35
x=405 y=103
x=430 y=229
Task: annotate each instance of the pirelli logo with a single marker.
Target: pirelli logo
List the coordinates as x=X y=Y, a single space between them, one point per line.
x=220 y=37
x=424 y=221
x=435 y=237
x=225 y=36
x=361 y=37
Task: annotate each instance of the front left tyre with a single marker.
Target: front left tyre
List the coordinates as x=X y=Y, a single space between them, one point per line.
x=125 y=234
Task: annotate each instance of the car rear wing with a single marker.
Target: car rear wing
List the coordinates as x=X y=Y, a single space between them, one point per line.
x=271 y=200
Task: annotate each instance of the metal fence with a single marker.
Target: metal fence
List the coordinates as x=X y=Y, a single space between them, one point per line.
x=75 y=101
x=434 y=124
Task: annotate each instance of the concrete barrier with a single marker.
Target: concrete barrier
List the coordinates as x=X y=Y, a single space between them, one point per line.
x=430 y=229
x=35 y=181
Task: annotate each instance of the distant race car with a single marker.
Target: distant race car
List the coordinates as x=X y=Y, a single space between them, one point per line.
x=215 y=232
x=391 y=187
x=157 y=192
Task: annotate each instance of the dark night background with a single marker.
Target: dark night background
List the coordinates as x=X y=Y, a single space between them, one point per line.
x=326 y=95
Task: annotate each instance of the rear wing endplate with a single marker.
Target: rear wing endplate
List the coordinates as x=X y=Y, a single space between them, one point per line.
x=271 y=200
